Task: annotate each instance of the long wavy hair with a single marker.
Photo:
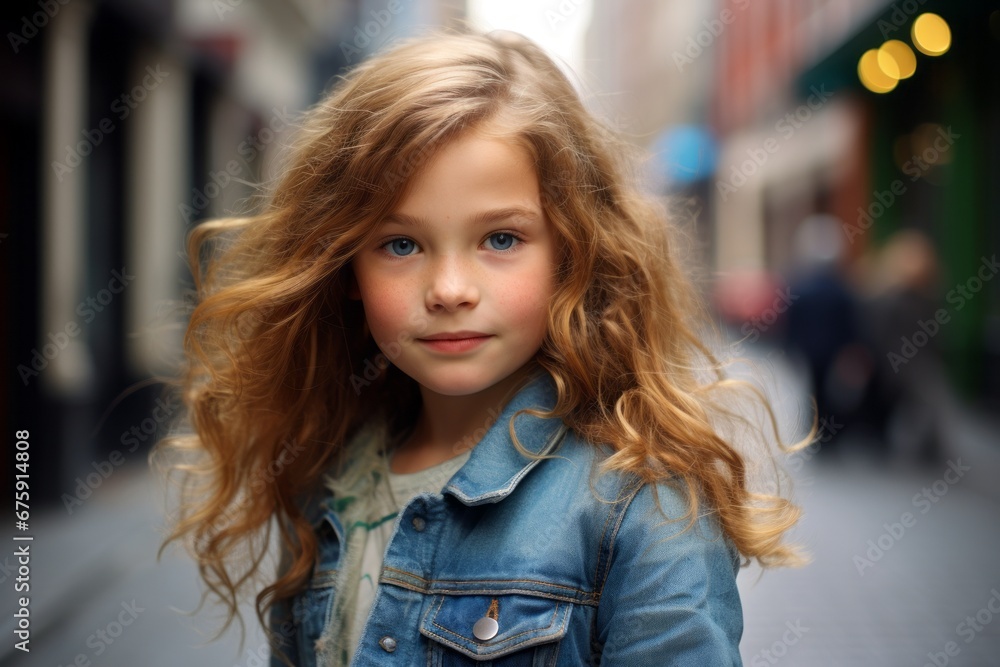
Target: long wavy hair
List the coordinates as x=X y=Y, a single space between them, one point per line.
x=280 y=369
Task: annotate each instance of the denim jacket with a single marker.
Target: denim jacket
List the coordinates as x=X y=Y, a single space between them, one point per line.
x=569 y=578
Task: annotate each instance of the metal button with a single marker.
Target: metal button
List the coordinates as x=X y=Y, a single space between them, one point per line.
x=485 y=628
x=387 y=643
x=419 y=524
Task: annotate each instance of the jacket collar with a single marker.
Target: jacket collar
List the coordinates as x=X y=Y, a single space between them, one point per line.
x=495 y=466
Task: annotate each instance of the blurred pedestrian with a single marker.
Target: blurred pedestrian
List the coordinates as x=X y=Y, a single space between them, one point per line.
x=822 y=325
x=910 y=392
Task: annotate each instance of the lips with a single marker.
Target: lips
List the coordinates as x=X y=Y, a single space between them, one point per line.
x=455 y=335
x=455 y=342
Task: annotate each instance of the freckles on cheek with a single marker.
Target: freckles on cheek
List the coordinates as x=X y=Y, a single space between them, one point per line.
x=524 y=302
x=385 y=302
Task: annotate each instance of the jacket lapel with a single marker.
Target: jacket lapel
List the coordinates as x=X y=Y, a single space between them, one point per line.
x=495 y=466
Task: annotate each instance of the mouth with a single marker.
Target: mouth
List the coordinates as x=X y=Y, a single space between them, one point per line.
x=456 y=335
x=463 y=344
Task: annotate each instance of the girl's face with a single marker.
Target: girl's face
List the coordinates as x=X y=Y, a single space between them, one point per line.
x=467 y=253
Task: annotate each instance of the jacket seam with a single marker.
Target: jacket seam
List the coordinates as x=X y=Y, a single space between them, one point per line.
x=621 y=506
x=624 y=501
x=485 y=581
x=586 y=599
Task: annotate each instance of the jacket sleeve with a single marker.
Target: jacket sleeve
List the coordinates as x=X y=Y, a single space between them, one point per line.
x=670 y=601
x=282 y=625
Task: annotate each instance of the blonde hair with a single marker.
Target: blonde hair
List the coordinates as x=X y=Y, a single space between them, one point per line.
x=276 y=355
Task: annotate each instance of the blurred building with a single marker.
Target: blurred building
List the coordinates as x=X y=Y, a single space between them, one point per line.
x=802 y=134
x=656 y=95
x=630 y=49
x=774 y=144
x=124 y=124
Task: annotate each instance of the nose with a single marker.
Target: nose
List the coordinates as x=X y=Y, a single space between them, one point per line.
x=452 y=283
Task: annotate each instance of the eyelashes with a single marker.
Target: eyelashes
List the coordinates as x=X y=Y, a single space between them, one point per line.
x=501 y=251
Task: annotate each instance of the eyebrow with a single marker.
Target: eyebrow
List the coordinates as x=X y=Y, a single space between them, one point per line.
x=482 y=218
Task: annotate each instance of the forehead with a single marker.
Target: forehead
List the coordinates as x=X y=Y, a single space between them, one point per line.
x=474 y=170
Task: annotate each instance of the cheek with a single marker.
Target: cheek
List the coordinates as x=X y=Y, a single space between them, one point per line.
x=386 y=306
x=526 y=303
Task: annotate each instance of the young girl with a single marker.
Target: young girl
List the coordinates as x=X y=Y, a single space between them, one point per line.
x=457 y=360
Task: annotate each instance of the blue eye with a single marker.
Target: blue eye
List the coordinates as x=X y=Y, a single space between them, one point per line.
x=404 y=245
x=506 y=236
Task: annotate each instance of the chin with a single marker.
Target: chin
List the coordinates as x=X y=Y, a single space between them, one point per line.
x=455 y=388
x=456 y=384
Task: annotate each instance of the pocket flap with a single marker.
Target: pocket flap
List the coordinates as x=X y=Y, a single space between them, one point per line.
x=522 y=620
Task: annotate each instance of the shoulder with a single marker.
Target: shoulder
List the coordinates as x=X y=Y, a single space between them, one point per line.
x=666 y=585
x=659 y=520
x=633 y=515
x=670 y=583
x=644 y=504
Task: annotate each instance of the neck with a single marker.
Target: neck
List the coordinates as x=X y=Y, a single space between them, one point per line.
x=450 y=425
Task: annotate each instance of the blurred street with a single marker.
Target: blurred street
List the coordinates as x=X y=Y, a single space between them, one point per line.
x=99 y=597
x=878 y=592
x=906 y=604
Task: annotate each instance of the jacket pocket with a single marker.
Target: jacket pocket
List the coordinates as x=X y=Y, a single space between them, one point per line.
x=528 y=630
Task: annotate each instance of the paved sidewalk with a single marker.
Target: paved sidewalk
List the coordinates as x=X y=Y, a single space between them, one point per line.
x=906 y=564
x=99 y=597
x=880 y=592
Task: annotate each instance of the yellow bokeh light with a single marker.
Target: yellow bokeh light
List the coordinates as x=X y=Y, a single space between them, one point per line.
x=931 y=34
x=871 y=74
x=897 y=59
